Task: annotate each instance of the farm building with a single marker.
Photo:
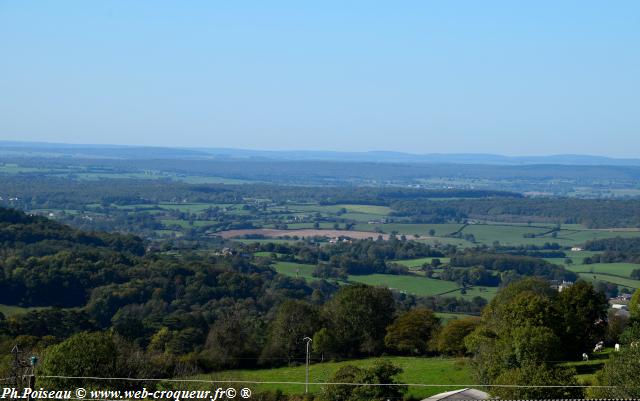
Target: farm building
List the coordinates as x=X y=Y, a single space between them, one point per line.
x=564 y=285
x=463 y=394
x=620 y=302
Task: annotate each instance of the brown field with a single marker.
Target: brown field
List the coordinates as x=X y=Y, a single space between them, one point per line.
x=273 y=233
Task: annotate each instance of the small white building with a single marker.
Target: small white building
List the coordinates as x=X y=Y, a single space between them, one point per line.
x=564 y=285
x=463 y=394
x=619 y=306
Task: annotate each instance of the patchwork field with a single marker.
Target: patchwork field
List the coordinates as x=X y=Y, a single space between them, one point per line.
x=410 y=284
x=413 y=263
x=614 y=269
x=303 y=233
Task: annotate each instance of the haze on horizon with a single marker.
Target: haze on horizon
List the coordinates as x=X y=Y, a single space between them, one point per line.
x=493 y=77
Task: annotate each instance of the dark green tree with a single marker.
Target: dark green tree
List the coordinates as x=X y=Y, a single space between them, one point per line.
x=411 y=332
x=583 y=313
x=450 y=339
x=358 y=316
x=382 y=372
x=294 y=321
x=85 y=355
x=622 y=372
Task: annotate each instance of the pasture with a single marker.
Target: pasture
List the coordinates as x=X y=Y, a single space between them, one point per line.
x=295 y=270
x=446 y=316
x=614 y=269
x=516 y=235
x=10 y=310
x=449 y=372
x=621 y=281
x=409 y=229
x=302 y=233
x=424 y=286
x=410 y=284
x=415 y=263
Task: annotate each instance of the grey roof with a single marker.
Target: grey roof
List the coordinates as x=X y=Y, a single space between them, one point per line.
x=462 y=394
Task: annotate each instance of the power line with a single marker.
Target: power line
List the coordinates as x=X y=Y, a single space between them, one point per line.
x=327 y=383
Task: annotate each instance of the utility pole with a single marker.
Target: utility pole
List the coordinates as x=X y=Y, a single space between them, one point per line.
x=17 y=367
x=306 y=383
x=33 y=361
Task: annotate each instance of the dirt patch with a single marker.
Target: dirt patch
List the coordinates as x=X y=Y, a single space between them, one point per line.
x=273 y=233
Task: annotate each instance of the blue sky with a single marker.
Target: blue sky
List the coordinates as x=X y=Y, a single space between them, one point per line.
x=510 y=77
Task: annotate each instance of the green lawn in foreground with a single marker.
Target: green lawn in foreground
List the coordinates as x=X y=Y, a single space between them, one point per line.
x=416 y=370
x=587 y=369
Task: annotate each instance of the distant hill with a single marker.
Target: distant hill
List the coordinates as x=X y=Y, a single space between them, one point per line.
x=431 y=158
x=43 y=149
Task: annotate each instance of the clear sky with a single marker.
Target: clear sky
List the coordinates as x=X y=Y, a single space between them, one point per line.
x=510 y=77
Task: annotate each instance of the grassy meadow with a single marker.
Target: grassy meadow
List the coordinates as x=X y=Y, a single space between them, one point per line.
x=426 y=371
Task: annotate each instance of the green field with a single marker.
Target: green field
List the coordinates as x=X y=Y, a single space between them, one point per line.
x=424 y=286
x=268 y=254
x=616 y=269
x=625 y=282
x=445 y=317
x=411 y=229
x=587 y=369
x=11 y=168
x=428 y=371
x=514 y=235
x=187 y=207
x=367 y=209
x=295 y=270
x=9 y=310
x=379 y=211
x=412 y=284
x=413 y=263
x=437 y=241
x=404 y=283
x=506 y=234
x=576 y=256
x=196 y=179
x=264 y=241
x=186 y=223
